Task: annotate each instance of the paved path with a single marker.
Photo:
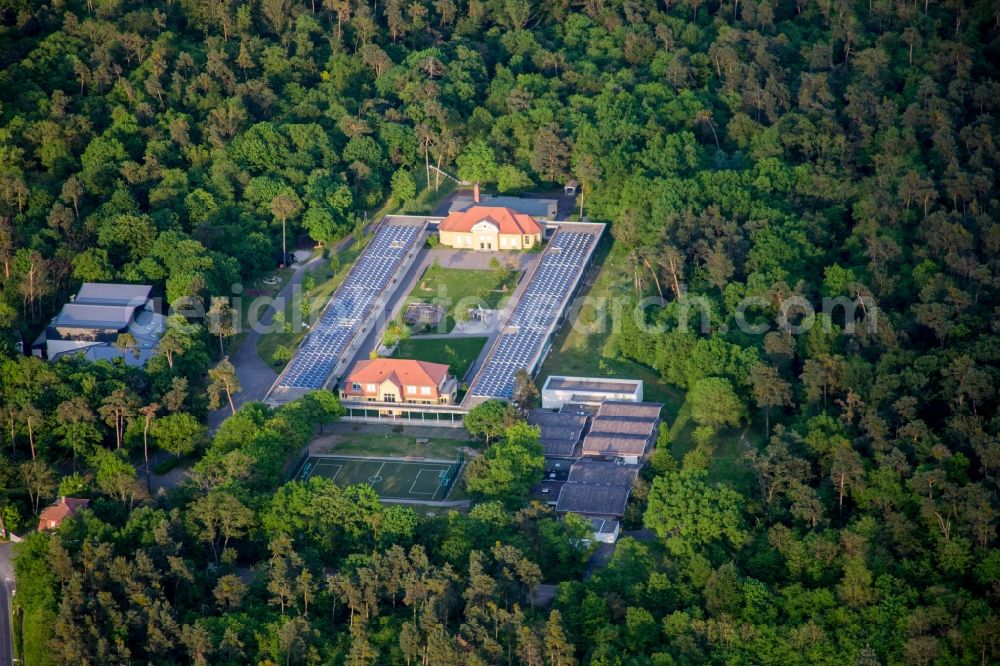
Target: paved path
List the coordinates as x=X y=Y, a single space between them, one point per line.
x=451 y=504
x=446 y=336
x=6 y=591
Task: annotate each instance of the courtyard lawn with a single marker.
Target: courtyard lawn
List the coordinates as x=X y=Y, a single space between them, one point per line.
x=391 y=444
x=458 y=353
x=325 y=282
x=489 y=288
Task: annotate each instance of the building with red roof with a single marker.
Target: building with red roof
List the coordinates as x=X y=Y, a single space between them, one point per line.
x=66 y=507
x=489 y=228
x=401 y=381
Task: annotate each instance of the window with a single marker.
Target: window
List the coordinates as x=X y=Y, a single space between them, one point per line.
x=389 y=397
x=527 y=240
x=373 y=388
x=411 y=389
x=425 y=390
x=355 y=386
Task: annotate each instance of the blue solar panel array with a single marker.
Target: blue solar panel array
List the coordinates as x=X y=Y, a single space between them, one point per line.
x=318 y=355
x=560 y=267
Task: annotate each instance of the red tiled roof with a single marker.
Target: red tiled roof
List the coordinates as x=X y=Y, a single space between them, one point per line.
x=507 y=220
x=400 y=371
x=62 y=509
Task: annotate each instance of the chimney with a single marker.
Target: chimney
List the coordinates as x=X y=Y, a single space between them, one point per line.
x=475 y=193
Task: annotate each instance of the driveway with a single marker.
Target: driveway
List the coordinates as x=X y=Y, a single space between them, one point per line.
x=256 y=376
x=6 y=592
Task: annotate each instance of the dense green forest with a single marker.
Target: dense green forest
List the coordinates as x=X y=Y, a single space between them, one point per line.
x=763 y=152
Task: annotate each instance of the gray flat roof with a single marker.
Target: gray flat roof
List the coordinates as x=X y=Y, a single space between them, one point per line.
x=623 y=425
x=560 y=431
x=85 y=315
x=591 y=499
x=104 y=352
x=603 y=525
x=586 y=408
x=632 y=409
x=602 y=473
x=529 y=206
x=107 y=293
x=601 y=444
x=583 y=385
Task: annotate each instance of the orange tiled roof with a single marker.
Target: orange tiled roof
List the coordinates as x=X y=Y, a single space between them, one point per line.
x=64 y=508
x=507 y=220
x=402 y=371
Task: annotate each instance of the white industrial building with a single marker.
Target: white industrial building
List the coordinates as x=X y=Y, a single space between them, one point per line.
x=559 y=390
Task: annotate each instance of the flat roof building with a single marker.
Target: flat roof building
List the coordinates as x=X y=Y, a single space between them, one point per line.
x=91 y=323
x=558 y=390
x=597 y=489
x=591 y=499
x=542 y=209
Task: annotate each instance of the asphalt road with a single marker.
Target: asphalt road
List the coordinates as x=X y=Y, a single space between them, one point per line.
x=6 y=649
x=6 y=590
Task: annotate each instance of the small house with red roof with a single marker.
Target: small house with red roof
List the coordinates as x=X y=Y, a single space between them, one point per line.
x=489 y=228
x=400 y=380
x=54 y=515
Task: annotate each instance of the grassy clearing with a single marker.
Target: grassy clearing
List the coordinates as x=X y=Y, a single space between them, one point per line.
x=394 y=445
x=428 y=196
x=463 y=288
x=458 y=353
x=325 y=282
x=728 y=448
x=256 y=289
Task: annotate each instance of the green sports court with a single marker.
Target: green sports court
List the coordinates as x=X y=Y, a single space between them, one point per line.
x=427 y=481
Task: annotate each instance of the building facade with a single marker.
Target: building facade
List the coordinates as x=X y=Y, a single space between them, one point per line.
x=489 y=229
x=405 y=381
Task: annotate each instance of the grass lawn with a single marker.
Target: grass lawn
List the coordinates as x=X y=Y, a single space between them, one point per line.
x=728 y=464
x=465 y=287
x=458 y=353
x=325 y=282
x=390 y=444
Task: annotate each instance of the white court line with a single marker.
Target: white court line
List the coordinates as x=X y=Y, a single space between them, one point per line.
x=326 y=465
x=417 y=478
x=376 y=475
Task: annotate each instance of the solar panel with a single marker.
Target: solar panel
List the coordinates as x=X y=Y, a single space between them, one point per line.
x=353 y=301
x=539 y=307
